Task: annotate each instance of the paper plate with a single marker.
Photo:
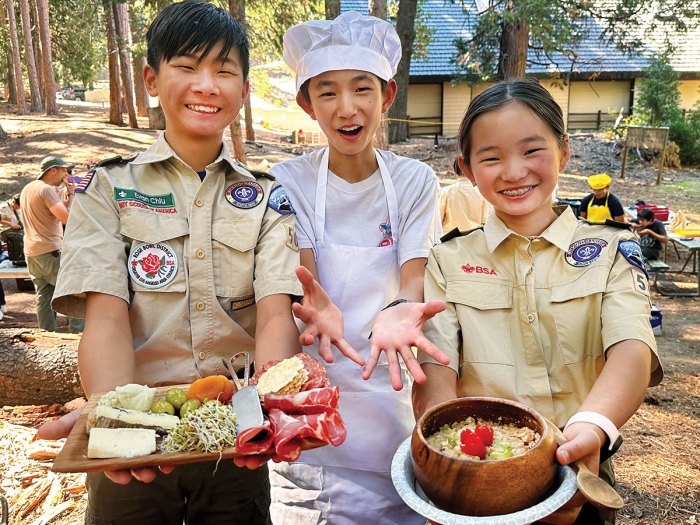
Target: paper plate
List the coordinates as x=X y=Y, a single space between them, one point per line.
x=410 y=491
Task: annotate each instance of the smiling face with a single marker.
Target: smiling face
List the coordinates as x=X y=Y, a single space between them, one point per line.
x=348 y=106
x=515 y=161
x=199 y=96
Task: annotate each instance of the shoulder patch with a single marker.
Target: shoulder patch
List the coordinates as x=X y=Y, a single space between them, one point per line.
x=631 y=251
x=85 y=182
x=456 y=233
x=258 y=174
x=115 y=160
x=279 y=201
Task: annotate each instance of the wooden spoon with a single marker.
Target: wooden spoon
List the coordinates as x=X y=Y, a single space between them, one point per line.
x=594 y=489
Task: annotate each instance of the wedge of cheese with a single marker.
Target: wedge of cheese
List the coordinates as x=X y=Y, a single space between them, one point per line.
x=121 y=442
x=113 y=417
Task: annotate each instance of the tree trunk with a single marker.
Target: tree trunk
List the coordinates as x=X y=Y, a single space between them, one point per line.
x=38 y=367
x=381 y=136
x=237 y=10
x=3 y=135
x=36 y=40
x=34 y=88
x=332 y=9
x=121 y=26
x=512 y=59
x=138 y=62
x=49 y=83
x=11 y=90
x=115 y=113
x=249 y=130
x=398 y=130
x=16 y=64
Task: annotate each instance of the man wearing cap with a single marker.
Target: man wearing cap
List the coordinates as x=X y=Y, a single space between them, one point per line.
x=601 y=205
x=45 y=212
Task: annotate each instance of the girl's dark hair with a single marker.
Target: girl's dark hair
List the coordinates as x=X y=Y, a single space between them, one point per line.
x=192 y=27
x=526 y=91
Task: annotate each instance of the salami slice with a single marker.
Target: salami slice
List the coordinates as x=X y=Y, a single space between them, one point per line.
x=255 y=440
x=316 y=371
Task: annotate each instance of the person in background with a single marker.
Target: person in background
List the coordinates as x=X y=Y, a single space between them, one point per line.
x=366 y=221
x=44 y=214
x=10 y=221
x=461 y=205
x=652 y=233
x=601 y=205
x=542 y=308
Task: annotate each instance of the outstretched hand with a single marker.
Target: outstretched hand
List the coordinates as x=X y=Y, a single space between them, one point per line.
x=323 y=320
x=395 y=331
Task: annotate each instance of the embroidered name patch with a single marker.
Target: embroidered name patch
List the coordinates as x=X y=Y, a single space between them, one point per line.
x=631 y=251
x=244 y=195
x=583 y=252
x=127 y=198
x=279 y=201
x=85 y=182
x=239 y=304
x=152 y=265
x=468 y=268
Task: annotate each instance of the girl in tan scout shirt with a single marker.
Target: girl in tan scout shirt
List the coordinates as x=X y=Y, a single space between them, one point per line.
x=541 y=308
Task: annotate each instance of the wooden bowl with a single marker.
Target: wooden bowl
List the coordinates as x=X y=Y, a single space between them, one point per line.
x=487 y=487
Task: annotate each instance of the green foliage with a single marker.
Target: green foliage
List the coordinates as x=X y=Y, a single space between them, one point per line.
x=423 y=30
x=686 y=133
x=659 y=96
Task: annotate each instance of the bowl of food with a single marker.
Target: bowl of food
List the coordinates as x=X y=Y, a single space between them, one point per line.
x=483 y=456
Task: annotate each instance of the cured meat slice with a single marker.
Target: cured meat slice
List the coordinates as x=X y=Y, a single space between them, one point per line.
x=255 y=440
x=316 y=371
x=313 y=401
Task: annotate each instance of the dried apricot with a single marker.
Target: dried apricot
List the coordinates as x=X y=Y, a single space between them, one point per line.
x=211 y=387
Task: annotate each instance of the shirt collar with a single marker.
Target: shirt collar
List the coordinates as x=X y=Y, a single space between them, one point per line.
x=559 y=233
x=161 y=151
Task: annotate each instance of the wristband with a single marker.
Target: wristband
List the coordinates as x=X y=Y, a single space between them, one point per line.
x=395 y=302
x=600 y=421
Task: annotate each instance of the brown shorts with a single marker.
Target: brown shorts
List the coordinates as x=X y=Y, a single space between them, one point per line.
x=191 y=494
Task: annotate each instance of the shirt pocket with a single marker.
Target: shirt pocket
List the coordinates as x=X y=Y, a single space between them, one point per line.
x=167 y=235
x=233 y=252
x=576 y=307
x=485 y=313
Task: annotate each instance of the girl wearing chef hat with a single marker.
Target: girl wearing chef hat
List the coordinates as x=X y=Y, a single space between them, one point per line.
x=601 y=205
x=366 y=222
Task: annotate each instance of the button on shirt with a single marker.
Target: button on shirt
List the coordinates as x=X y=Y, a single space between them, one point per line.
x=529 y=319
x=214 y=252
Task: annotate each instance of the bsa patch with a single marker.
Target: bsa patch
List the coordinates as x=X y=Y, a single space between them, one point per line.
x=244 y=195
x=127 y=198
x=468 y=268
x=291 y=237
x=85 y=182
x=631 y=251
x=640 y=281
x=583 y=252
x=279 y=201
x=152 y=265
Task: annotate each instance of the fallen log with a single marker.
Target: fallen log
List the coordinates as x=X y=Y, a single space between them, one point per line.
x=38 y=367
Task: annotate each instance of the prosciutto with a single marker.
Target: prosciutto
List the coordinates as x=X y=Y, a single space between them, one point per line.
x=296 y=422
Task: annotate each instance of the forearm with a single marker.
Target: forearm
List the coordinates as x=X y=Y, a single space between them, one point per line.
x=440 y=386
x=619 y=390
x=411 y=281
x=276 y=334
x=106 y=351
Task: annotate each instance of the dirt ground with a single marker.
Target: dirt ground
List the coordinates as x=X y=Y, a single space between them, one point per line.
x=658 y=469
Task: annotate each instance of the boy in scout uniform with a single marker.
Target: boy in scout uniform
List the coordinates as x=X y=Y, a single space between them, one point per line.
x=541 y=308
x=179 y=257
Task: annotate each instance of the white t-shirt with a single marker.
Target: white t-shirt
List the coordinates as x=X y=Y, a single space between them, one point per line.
x=357 y=214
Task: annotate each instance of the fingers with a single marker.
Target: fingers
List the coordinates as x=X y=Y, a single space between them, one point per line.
x=166 y=469
x=371 y=362
x=580 y=445
x=61 y=427
x=427 y=347
x=251 y=462
x=120 y=477
x=305 y=277
x=324 y=348
x=433 y=307
x=394 y=369
x=303 y=313
x=348 y=351
x=413 y=365
x=144 y=475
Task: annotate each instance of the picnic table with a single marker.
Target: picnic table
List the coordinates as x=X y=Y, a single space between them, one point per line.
x=14 y=272
x=692 y=245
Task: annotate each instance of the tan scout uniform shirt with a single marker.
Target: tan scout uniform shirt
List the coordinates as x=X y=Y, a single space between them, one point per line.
x=43 y=232
x=461 y=206
x=530 y=319
x=212 y=249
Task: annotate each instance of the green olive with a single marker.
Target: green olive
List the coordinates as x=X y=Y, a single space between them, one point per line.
x=162 y=407
x=189 y=406
x=176 y=397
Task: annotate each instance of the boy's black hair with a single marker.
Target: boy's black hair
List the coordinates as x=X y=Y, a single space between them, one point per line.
x=304 y=89
x=192 y=27
x=646 y=214
x=15 y=199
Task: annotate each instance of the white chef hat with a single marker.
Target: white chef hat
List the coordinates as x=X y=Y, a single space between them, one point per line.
x=351 y=41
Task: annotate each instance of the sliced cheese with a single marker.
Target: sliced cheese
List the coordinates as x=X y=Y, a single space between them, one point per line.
x=113 y=417
x=121 y=442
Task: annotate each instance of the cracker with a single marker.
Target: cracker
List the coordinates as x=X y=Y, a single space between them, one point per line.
x=280 y=376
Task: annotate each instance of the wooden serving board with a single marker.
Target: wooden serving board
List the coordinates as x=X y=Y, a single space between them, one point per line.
x=73 y=456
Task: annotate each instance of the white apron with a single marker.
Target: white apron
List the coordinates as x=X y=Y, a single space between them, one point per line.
x=352 y=483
